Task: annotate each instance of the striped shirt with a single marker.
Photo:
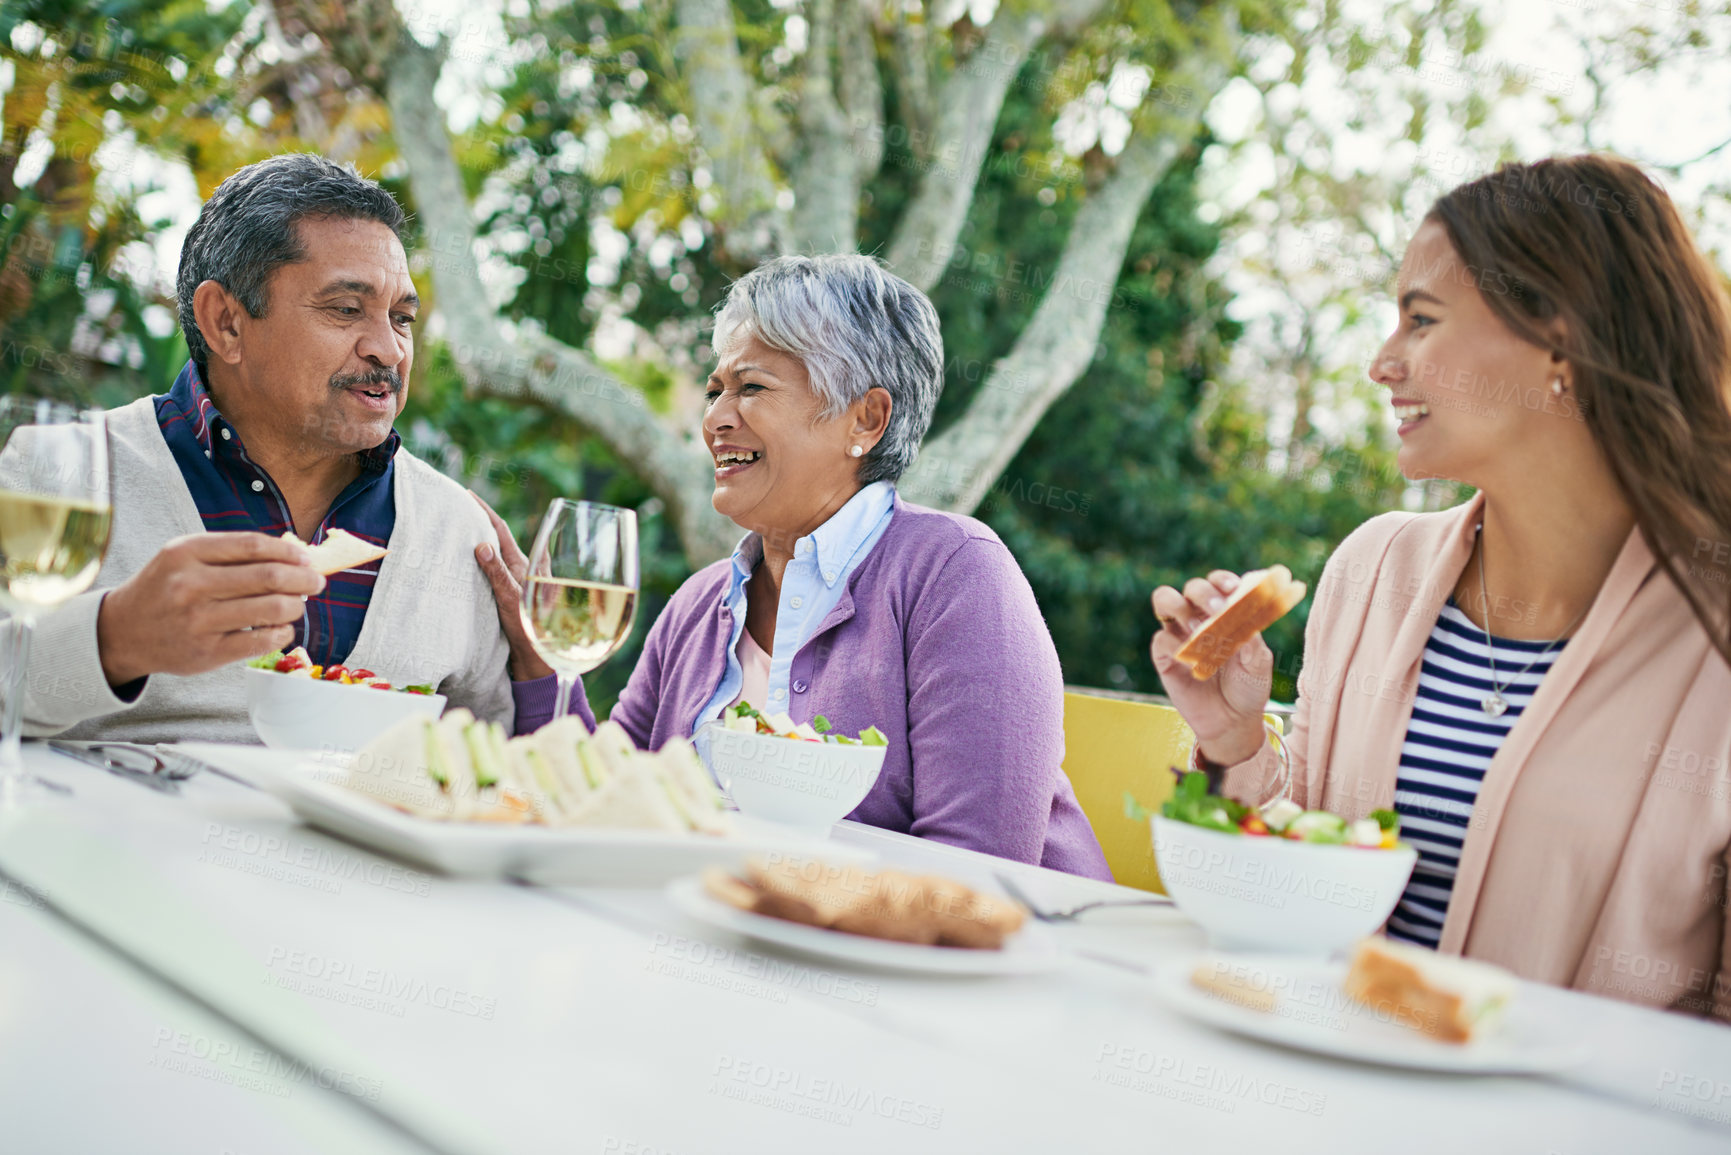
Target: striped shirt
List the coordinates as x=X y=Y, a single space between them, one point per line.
x=1449 y=745
x=234 y=493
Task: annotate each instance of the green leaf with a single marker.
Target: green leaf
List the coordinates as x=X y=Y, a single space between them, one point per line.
x=820 y=724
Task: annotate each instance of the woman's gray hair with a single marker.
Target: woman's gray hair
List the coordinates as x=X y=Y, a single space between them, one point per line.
x=855 y=326
x=247 y=229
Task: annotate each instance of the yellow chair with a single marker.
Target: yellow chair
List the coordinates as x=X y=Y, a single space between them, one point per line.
x=1113 y=745
x=1118 y=745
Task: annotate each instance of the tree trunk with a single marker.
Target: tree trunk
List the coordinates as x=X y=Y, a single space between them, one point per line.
x=956 y=469
x=826 y=173
x=531 y=365
x=967 y=112
x=750 y=225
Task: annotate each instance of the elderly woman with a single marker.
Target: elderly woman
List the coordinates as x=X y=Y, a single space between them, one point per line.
x=842 y=599
x=1536 y=680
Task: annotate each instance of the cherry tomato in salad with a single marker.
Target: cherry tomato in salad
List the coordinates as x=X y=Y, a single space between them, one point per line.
x=1253 y=825
x=361 y=675
x=285 y=665
x=335 y=673
x=379 y=685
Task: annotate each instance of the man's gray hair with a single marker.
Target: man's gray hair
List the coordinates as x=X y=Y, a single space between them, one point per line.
x=855 y=326
x=247 y=229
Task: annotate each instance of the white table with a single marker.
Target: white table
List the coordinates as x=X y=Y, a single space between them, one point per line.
x=410 y=1012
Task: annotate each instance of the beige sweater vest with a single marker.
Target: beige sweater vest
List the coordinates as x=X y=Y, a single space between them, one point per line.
x=431 y=619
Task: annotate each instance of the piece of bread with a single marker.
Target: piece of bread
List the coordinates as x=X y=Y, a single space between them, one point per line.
x=886 y=904
x=1262 y=598
x=341 y=550
x=729 y=889
x=1232 y=983
x=1452 y=999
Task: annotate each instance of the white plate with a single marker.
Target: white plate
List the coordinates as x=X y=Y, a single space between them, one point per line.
x=1031 y=950
x=1314 y=1014
x=543 y=854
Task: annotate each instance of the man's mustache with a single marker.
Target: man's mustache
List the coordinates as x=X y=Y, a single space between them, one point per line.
x=376 y=378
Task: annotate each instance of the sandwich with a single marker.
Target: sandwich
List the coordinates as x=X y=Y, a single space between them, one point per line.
x=340 y=550
x=554 y=768
x=1452 y=999
x=396 y=768
x=449 y=769
x=463 y=770
x=1262 y=598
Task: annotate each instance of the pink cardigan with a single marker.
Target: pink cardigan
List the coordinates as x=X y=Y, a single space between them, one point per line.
x=1598 y=850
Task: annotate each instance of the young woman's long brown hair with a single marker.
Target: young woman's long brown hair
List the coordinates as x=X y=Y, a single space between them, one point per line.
x=1594 y=241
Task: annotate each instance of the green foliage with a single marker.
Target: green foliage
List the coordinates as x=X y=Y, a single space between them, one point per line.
x=1147 y=472
x=1122 y=487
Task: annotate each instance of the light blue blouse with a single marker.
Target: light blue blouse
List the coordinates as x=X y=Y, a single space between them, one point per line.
x=810 y=588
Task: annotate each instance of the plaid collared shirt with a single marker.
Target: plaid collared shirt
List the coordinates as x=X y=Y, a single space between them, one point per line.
x=234 y=493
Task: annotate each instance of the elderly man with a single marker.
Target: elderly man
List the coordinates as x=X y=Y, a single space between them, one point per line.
x=299 y=314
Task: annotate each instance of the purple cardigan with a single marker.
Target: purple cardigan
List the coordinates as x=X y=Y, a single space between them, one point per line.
x=939 y=643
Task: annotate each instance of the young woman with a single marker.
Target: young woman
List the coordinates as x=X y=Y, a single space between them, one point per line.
x=1538 y=680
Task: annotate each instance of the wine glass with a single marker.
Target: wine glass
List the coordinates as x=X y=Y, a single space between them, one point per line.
x=54 y=520
x=580 y=599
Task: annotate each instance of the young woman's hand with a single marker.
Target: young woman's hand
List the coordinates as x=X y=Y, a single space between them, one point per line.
x=507 y=568
x=1226 y=710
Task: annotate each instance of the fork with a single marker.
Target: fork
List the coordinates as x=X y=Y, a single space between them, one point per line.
x=161 y=774
x=1070 y=915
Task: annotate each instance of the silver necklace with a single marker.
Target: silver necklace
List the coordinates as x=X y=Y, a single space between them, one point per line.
x=1494 y=703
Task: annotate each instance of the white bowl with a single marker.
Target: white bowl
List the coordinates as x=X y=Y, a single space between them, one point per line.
x=806 y=785
x=298 y=713
x=1276 y=894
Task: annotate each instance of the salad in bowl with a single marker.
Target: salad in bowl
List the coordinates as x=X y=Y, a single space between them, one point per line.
x=801 y=774
x=298 y=663
x=296 y=704
x=1282 y=818
x=1278 y=878
x=743 y=718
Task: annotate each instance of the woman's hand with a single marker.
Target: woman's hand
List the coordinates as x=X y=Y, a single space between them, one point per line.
x=506 y=569
x=1226 y=710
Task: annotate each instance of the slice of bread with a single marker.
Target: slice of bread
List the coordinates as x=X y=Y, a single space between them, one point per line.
x=341 y=550
x=882 y=903
x=1262 y=598
x=1452 y=999
x=1234 y=983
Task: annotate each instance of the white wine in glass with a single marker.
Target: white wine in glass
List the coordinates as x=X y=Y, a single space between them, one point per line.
x=580 y=599
x=50 y=548
x=54 y=521
x=582 y=623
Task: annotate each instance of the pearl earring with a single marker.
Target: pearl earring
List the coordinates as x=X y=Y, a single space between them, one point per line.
x=1557 y=385
x=857 y=451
